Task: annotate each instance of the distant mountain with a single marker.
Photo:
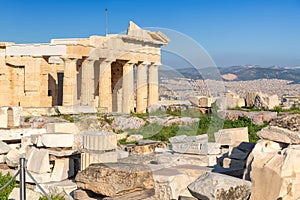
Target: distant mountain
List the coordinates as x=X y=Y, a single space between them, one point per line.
x=255 y=72
x=242 y=73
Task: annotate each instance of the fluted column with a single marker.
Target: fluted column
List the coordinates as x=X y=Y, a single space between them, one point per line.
x=87 y=83
x=128 y=87
x=141 y=88
x=70 y=82
x=105 y=91
x=153 y=84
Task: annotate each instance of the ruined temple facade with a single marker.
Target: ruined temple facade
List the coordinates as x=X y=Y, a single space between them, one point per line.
x=112 y=73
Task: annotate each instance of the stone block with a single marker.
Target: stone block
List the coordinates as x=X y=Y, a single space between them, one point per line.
x=57 y=139
x=279 y=134
x=134 y=138
x=99 y=141
x=183 y=138
x=186 y=147
x=115 y=179
x=105 y=157
x=4 y=148
x=63 y=169
x=62 y=128
x=61 y=187
x=210 y=148
x=122 y=154
x=232 y=136
x=2 y=158
x=225 y=187
x=38 y=160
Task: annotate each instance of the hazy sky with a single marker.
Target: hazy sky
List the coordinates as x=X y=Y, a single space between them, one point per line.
x=263 y=32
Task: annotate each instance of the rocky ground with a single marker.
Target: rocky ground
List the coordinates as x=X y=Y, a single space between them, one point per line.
x=60 y=155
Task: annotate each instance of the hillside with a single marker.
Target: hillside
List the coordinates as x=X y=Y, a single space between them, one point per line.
x=241 y=73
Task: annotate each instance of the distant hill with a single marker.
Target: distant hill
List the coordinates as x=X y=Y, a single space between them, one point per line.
x=242 y=73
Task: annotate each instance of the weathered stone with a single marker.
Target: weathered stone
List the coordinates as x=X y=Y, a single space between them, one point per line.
x=267 y=163
x=123 y=123
x=218 y=186
x=122 y=154
x=144 y=149
x=12 y=158
x=57 y=139
x=233 y=163
x=210 y=148
x=88 y=158
x=113 y=179
x=134 y=138
x=30 y=194
x=2 y=158
x=290 y=122
x=232 y=136
x=257 y=118
x=183 y=138
x=266 y=101
x=61 y=187
x=202 y=101
x=99 y=141
x=4 y=148
x=17 y=134
x=38 y=160
x=63 y=127
x=63 y=169
x=278 y=134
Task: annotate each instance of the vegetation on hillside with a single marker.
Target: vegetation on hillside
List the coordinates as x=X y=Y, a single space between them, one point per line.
x=4 y=194
x=208 y=124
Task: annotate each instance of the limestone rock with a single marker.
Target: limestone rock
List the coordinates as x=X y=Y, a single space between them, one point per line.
x=63 y=127
x=232 y=136
x=266 y=101
x=30 y=194
x=4 y=148
x=290 y=122
x=279 y=168
x=99 y=141
x=172 y=182
x=257 y=118
x=123 y=123
x=38 y=160
x=57 y=139
x=220 y=187
x=113 y=179
x=278 y=134
x=12 y=158
x=233 y=163
x=144 y=149
x=183 y=138
x=134 y=138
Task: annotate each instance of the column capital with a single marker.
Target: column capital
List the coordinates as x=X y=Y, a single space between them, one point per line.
x=144 y=63
x=70 y=58
x=156 y=64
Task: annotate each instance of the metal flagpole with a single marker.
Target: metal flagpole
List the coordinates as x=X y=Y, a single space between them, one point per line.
x=106 y=21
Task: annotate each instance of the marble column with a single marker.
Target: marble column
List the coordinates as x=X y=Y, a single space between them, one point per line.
x=128 y=87
x=105 y=91
x=87 y=83
x=70 y=82
x=153 y=84
x=141 y=88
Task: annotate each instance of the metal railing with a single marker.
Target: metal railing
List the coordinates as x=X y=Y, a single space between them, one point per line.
x=22 y=172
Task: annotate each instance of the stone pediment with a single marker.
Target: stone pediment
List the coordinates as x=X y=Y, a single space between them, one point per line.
x=136 y=32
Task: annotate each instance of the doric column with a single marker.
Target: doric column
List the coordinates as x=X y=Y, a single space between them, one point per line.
x=128 y=87
x=87 y=82
x=153 y=84
x=70 y=82
x=141 y=88
x=105 y=91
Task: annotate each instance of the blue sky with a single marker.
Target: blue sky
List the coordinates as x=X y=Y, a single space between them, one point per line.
x=262 y=32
